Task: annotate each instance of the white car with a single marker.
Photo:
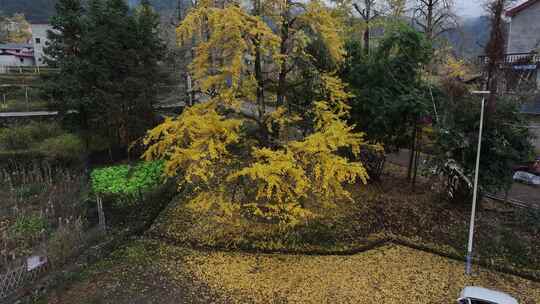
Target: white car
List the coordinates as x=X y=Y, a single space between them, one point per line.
x=479 y=295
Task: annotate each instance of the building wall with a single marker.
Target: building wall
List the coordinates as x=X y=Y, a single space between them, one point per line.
x=39 y=40
x=8 y=60
x=524 y=34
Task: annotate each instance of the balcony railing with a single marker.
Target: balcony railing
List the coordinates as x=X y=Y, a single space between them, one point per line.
x=514 y=58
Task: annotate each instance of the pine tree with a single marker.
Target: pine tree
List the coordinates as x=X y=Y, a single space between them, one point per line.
x=65 y=89
x=108 y=61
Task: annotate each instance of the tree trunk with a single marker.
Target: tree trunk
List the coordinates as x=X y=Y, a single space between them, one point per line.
x=429 y=21
x=282 y=80
x=416 y=157
x=258 y=68
x=366 y=38
x=495 y=52
x=412 y=152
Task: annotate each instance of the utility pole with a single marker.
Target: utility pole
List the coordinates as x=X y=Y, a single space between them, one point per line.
x=468 y=267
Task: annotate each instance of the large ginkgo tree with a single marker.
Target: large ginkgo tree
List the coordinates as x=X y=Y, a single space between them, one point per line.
x=239 y=151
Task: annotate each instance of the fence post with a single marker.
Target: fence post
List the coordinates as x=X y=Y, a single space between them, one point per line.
x=101 y=214
x=26 y=98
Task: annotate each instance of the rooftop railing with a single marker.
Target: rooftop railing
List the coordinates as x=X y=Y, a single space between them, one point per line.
x=514 y=58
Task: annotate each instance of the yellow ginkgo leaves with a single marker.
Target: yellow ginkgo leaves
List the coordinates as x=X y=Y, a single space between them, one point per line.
x=212 y=152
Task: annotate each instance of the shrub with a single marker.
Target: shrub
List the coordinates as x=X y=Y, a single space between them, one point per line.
x=66 y=241
x=29 y=226
x=530 y=218
x=65 y=148
x=24 y=137
x=16 y=138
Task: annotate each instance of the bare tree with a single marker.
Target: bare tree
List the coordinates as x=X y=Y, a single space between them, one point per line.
x=395 y=8
x=368 y=12
x=434 y=17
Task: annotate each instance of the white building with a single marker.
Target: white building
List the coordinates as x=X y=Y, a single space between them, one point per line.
x=39 y=40
x=524 y=29
x=25 y=54
x=16 y=54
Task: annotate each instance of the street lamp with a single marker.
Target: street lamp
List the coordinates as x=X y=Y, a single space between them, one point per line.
x=475 y=190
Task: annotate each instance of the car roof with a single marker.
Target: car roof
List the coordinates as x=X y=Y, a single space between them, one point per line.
x=485 y=294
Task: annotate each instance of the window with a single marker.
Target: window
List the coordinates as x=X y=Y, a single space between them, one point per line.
x=38 y=40
x=21 y=60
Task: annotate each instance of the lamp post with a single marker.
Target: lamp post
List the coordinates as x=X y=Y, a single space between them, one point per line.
x=468 y=267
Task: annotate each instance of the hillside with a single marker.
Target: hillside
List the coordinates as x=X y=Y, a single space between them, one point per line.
x=41 y=10
x=35 y=10
x=471 y=37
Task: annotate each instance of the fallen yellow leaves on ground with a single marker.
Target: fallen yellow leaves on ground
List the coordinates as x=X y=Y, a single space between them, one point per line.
x=389 y=274
x=149 y=271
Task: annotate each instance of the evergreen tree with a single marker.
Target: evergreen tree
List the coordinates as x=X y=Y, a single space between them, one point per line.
x=108 y=62
x=63 y=51
x=390 y=96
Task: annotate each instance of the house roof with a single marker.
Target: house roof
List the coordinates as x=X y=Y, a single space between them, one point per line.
x=16 y=46
x=518 y=8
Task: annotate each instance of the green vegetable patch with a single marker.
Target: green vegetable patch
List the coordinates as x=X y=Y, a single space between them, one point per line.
x=128 y=180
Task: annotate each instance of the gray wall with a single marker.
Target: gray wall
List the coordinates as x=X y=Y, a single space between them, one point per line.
x=524 y=35
x=39 y=32
x=535 y=129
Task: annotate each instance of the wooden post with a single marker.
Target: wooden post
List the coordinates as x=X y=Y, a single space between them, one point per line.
x=416 y=157
x=26 y=98
x=101 y=214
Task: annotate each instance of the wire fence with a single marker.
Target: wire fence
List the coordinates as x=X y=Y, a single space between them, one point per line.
x=15 y=278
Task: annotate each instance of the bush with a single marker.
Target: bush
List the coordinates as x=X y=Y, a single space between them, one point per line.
x=505 y=141
x=66 y=241
x=38 y=142
x=24 y=137
x=530 y=219
x=66 y=148
x=28 y=227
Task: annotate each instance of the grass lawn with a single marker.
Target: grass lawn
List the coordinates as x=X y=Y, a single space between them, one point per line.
x=147 y=271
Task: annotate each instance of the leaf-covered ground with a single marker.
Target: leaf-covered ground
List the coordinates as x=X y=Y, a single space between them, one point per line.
x=504 y=237
x=152 y=272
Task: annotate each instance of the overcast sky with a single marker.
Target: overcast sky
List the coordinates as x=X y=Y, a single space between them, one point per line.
x=470 y=8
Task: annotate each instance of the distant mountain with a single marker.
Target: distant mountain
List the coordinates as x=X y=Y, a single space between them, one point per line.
x=42 y=10
x=471 y=37
x=34 y=10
